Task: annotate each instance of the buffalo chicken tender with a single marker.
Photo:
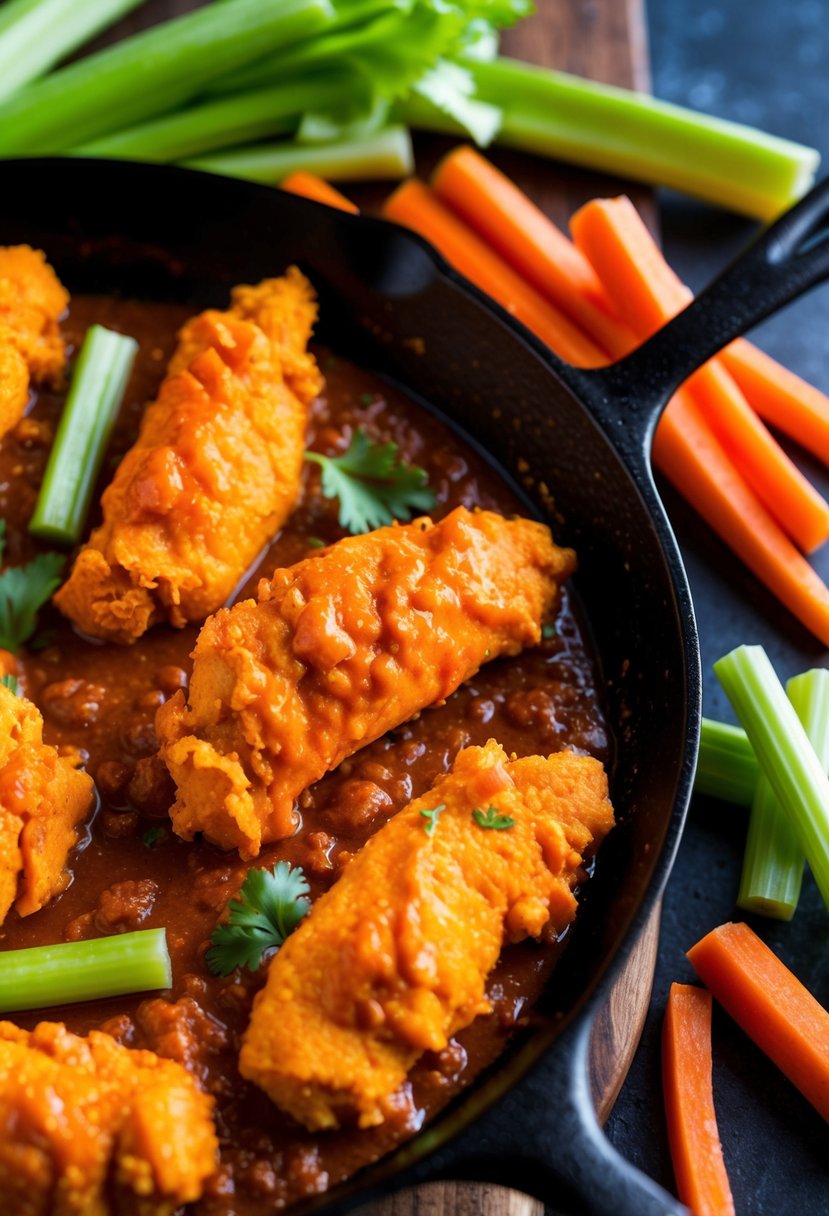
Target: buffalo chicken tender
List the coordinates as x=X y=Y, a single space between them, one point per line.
x=393 y=960
x=43 y=799
x=88 y=1127
x=214 y=473
x=339 y=649
x=32 y=302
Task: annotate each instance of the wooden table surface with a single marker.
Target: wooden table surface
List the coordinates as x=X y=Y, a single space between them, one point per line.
x=605 y=40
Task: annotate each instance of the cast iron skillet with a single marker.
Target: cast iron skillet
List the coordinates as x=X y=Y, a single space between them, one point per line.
x=578 y=443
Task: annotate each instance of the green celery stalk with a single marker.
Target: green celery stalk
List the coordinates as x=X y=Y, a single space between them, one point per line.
x=773 y=864
x=84 y=971
x=95 y=395
x=151 y=73
x=221 y=123
x=36 y=34
x=727 y=767
x=354 y=27
x=782 y=747
x=388 y=154
x=636 y=136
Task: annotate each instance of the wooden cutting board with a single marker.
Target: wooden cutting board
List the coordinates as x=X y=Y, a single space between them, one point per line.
x=605 y=40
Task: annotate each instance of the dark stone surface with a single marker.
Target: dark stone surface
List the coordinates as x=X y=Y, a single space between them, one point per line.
x=766 y=63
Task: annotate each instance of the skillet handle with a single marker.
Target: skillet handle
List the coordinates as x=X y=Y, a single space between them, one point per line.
x=783 y=262
x=600 y=1180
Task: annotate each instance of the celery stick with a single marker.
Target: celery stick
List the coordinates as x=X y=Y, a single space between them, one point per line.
x=727 y=767
x=98 y=385
x=783 y=750
x=631 y=134
x=221 y=123
x=84 y=971
x=36 y=34
x=388 y=154
x=151 y=73
x=773 y=863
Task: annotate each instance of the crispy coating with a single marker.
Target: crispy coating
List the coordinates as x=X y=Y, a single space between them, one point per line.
x=339 y=649
x=32 y=302
x=77 y=1113
x=43 y=799
x=214 y=472
x=393 y=960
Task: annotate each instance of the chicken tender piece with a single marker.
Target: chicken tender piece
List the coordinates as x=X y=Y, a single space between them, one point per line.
x=393 y=960
x=339 y=649
x=88 y=1127
x=214 y=473
x=32 y=301
x=43 y=799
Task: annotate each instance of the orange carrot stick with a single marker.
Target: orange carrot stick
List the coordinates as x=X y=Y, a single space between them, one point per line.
x=696 y=1151
x=414 y=205
x=523 y=236
x=770 y=1004
x=784 y=399
x=691 y=457
x=308 y=185
x=612 y=235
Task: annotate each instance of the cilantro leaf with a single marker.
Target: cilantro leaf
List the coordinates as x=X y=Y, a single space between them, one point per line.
x=373 y=485
x=491 y=819
x=23 y=591
x=271 y=904
x=431 y=818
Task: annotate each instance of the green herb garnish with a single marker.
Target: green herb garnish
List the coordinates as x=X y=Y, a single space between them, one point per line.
x=548 y=631
x=153 y=835
x=431 y=818
x=372 y=483
x=9 y=681
x=23 y=591
x=271 y=904
x=491 y=819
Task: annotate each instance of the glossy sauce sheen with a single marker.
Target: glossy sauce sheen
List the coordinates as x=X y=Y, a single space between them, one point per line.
x=133 y=873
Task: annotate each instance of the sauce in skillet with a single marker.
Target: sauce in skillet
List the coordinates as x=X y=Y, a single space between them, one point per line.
x=133 y=873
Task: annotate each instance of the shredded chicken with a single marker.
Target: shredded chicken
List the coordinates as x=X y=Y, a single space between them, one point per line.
x=214 y=473
x=43 y=799
x=339 y=649
x=32 y=301
x=91 y=1128
x=393 y=960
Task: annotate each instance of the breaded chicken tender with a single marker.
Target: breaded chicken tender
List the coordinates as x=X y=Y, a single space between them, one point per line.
x=339 y=649
x=43 y=799
x=32 y=302
x=89 y=1128
x=393 y=960
x=214 y=472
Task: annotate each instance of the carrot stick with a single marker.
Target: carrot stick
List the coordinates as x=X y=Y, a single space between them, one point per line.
x=784 y=399
x=691 y=457
x=696 y=1151
x=612 y=235
x=414 y=205
x=308 y=185
x=770 y=1004
x=523 y=236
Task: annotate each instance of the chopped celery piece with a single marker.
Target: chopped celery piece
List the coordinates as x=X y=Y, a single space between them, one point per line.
x=220 y=123
x=727 y=767
x=69 y=972
x=783 y=750
x=95 y=395
x=387 y=154
x=773 y=863
x=151 y=73
x=36 y=34
x=636 y=136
